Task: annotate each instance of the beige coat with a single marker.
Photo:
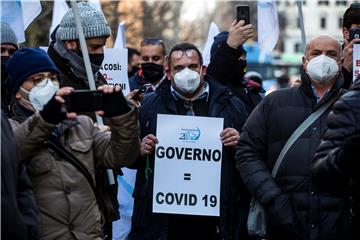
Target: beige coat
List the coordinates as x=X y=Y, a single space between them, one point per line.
x=67 y=204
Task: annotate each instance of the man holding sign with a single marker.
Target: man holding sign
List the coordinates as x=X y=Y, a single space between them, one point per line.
x=214 y=188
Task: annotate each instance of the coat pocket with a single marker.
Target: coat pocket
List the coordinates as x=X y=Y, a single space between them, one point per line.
x=82 y=150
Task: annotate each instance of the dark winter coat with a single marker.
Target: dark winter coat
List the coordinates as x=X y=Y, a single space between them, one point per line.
x=338 y=154
x=148 y=225
x=19 y=219
x=319 y=216
x=226 y=68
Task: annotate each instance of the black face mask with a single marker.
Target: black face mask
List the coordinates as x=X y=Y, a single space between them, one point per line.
x=4 y=60
x=96 y=58
x=152 y=72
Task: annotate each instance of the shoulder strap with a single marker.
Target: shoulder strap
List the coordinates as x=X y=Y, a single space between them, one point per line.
x=303 y=126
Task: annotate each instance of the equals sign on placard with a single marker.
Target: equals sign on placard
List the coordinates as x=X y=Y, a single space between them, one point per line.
x=187 y=176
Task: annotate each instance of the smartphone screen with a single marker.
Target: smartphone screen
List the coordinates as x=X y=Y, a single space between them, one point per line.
x=243 y=13
x=354 y=33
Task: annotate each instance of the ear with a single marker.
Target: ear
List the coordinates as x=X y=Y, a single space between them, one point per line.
x=304 y=62
x=203 y=69
x=18 y=95
x=168 y=73
x=71 y=45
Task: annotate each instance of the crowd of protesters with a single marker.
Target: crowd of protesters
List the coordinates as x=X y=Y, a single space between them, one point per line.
x=293 y=151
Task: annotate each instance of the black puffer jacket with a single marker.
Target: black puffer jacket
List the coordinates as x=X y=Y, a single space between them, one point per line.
x=318 y=215
x=234 y=197
x=336 y=160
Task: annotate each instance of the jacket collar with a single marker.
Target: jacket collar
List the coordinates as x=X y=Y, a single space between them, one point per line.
x=70 y=63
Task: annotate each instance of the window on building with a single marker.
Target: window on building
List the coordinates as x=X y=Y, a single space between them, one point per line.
x=324 y=3
x=297 y=48
x=340 y=22
x=341 y=3
x=287 y=3
x=304 y=2
x=322 y=22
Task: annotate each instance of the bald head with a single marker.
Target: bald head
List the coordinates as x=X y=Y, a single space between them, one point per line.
x=325 y=44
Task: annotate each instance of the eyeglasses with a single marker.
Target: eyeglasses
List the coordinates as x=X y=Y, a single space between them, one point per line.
x=39 y=79
x=177 y=54
x=152 y=41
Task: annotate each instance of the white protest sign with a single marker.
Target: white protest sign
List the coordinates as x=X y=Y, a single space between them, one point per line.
x=356 y=61
x=114 y=68
x=187 y=170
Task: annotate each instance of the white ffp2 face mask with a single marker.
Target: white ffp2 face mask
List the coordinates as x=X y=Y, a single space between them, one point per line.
x=187 y=80
x=40 y=94
x=322 y=69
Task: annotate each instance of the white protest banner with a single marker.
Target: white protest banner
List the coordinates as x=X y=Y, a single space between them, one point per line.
x=187 y=170
x=114 y=68
x=213 y=31
x=19 y=14
x=60 y=8
x=268 y=26
x=356 y=61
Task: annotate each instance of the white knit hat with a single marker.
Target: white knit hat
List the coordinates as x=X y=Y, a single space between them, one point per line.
x=92 y=20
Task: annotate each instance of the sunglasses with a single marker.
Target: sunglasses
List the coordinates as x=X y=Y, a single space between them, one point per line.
x=355 y=5
x=177 y=54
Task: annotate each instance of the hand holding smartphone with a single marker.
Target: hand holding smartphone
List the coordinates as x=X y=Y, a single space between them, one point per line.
x=354 y=33
x=142 y=90
x=82 y=101
x=243 y=13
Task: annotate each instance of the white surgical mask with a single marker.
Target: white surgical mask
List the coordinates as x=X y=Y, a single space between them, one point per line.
x=322 y=69
x=187 y=80
x=40 y=94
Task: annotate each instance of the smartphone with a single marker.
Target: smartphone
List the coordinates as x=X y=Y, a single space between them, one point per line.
x=243 y=13
x=84 y=101
x=354 y=33
x=142 y=90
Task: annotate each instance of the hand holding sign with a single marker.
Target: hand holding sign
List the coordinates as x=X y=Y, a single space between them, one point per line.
x=230 y=137
x=348 y=54
x=147 y=146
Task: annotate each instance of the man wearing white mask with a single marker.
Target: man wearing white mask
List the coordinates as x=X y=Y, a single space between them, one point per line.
x=294 y=207
x=191 y=93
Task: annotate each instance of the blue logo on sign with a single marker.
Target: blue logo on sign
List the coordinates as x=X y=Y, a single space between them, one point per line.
x=190 y=134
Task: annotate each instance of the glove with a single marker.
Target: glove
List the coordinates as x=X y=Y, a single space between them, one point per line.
x=281 y=218
x=52 y=112
x=115 y=104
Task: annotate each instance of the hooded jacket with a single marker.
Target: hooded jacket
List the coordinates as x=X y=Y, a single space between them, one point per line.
x=318 y=215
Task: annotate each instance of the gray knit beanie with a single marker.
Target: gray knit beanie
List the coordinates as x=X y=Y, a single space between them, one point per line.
x=92 y=21
x=7 y=35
